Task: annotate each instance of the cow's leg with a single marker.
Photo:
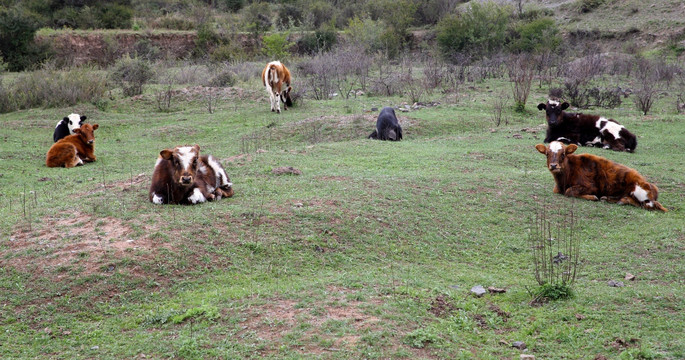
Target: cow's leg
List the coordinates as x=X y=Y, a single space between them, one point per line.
x=629 y=200
x=580 y=192
x=278 y=101
x=158 y=199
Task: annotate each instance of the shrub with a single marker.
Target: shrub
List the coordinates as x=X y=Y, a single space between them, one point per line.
x=131 y=74
x=480 y=30
x=115 y=16
x=289 y=15
x=365 y=32
x=320 y=41
x=536 y=36
x=521 y=70
x=47 y=88
x=255 y=20
x=555 y=254
x=585 y=6
x=233 y=5
x=223 y=79
x=277 y=46
x=206 y=40
x=174 y=23
x=17 y=30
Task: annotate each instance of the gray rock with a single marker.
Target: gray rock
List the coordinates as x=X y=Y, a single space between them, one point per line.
x=519 y=345
x=478 y=290
x=95 y=347
x=527 y=357
x=614 y=283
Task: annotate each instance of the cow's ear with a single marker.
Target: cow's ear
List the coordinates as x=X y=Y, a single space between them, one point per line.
x=77 y=131
x=83 y=118
x=66 y=119
x=541 y=148
x=196 y=147
x=542 y=106
x=166 y=154
x=571 y=148
x=289 y=88
x=95 y=126
x=564 y=105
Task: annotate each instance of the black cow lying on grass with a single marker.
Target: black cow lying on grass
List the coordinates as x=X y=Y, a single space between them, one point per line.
x=66 y=126
x=585 y=129
x=387 y=126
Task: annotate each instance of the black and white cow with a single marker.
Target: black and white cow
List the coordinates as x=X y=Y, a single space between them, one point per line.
x=387 y=126
x=585 y=129
x=66 y=126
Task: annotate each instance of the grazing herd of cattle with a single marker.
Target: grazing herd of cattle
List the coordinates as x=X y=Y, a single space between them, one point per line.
x=183 y=176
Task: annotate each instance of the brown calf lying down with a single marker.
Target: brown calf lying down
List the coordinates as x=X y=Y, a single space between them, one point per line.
x=595 y=178
x=73 y=150
x=182 y=176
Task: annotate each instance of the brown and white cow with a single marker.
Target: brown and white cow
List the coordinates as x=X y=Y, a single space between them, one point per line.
x=73 y=150
x=182 y=176
x=592 y=177
x=585 y=129
x=276 y=79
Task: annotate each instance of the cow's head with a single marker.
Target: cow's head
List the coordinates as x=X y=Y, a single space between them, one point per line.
x=556 y=155
x=74 y=121
x=285 y=97
x=87 y=133
x=553 y=109
x=184 y=160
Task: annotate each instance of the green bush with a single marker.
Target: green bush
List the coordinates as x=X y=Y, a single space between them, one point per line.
x=320 y=40
x=290 y=15
x=586 y=6
x=479 y=31
x=115 y=16
x=131 y=74
x=551 y=291
x=277 y=46
x=233 y=5
x=365 y=32
x=223 y=79
x=17 y=46
x=206 y=40
x=537 y=35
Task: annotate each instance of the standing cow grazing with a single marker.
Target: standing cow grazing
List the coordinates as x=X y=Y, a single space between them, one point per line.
x=182 y=176
x=276 y=79
x=67 y=125
x=592 y=177
x=585 y=129
x=74 y=149
x=387 y=126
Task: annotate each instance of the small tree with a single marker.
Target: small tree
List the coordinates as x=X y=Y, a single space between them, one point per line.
x=521 y=70
x=648 y=85
x=277 y=46
x=131 y=74
x=556 y=254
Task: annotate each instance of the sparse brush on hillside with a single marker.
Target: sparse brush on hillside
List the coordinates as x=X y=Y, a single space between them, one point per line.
x=51 y=88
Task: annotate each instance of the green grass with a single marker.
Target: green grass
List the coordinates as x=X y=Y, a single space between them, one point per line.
x=348 y=260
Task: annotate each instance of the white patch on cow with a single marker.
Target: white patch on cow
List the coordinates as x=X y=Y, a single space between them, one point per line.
x=186 y=155
x=555 y=146
x=197 y=197
x=563 y=138
x=156 y=199
x=221 y=177
x=640 y=194
x=74 y=122
x=613 y=128
x=229 y=184
x=553 y=102
x=201 y=168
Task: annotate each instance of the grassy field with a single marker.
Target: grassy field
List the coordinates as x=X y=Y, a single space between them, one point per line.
x=370 y=253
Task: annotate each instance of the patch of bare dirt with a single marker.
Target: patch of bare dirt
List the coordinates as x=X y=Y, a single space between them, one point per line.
x=276 y=318
x=442 y=307
x=79 y=240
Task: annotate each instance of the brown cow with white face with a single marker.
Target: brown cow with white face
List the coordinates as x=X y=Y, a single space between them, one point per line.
x=73 y=150
x=276 y=79
x=592 y=177
x=182 y=176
